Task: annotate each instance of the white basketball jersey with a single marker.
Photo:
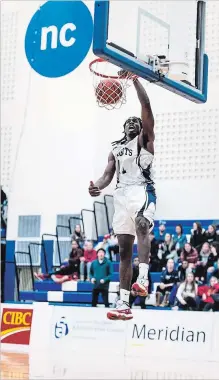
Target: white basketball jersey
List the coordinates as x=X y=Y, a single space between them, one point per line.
x=132 y=167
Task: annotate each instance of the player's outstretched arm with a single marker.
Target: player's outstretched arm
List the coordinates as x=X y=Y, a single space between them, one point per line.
x=106 y=179
x=146 y=111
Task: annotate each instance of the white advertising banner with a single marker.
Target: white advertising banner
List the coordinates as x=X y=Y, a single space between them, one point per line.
x=183 y=335
x=86 y=329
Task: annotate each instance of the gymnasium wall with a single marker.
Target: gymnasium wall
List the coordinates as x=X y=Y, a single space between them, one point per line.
x=55 y=139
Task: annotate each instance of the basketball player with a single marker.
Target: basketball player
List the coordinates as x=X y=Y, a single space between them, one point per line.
x=134 y=199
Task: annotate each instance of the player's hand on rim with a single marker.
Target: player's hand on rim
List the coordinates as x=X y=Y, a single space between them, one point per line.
x=94 y=191
x=124 y=74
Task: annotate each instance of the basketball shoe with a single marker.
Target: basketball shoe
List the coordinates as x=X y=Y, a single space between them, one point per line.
x=140 y=287
x=121 y=313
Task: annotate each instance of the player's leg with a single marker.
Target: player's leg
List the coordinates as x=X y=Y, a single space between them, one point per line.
x=67 y=270
x=95 y=294
x=123 y=311
x=144 y=224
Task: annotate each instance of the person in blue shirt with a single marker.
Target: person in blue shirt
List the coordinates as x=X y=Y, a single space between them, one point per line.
x=179 y=239
x=160 y=234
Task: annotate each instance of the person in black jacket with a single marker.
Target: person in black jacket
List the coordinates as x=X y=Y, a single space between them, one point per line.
x=68 y=271
x=197 y=235
x=168 y=279
x=210 y=235
x=154 y=260
x=135 y=274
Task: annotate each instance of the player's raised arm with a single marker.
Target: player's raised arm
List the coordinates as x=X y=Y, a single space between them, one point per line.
x=146 y=111
x=105 y=180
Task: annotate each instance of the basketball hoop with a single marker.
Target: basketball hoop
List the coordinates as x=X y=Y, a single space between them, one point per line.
x=110 y=83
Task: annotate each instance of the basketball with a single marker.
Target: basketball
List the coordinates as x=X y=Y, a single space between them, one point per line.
x=109 y=91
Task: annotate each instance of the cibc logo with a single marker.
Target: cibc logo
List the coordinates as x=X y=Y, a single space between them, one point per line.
x=61 y=328
x=16 y=325
x=58 y=37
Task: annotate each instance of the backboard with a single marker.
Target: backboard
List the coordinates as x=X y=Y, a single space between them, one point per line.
x=160 y=41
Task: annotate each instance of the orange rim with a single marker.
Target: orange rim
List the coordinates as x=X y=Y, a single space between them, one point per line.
x=100 y=60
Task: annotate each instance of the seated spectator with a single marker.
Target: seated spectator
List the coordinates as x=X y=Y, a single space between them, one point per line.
x=66 y=272
x=203 y=263
x=154 y=260
x=206 y=292
x=212 y=259
x=210 y=235
x=197 y=235
x=160 y=235
x=217 y=233
x=190 y=254
x=133 y=294
x=179 y=239
x=215 y=273
x=183 y=269
x=167 y=251
x=169 y=278
x=101 y=272
x=186 y=293
x=104 y=245
x=89 y=256
x=78 y=235
x=113 y=247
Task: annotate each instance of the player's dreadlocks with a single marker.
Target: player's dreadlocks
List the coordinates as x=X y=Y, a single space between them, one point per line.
x=123 y=140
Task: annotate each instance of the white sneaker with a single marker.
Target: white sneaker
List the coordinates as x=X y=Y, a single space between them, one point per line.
x=122 y=312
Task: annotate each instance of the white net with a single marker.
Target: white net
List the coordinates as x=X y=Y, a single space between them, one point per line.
x=110 y=84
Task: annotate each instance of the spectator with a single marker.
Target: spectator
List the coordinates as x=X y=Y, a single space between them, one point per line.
x=89 y=256
x=215 y=273
x=66 y=272
x=167 y=251
x=160 y=235
x=133 y=294
x=104 y=245
x=179 y=239
x=169 y=278
x=187 y=292
x=183 y=269
x=212 y=259
x=197 y=235
x=113 y=246
x=101 y=273
x=190 y=254
x=154 y=260
x=78 y=235
x=4 y=208
x=210 y=234
x=206 y=292
x=203 y=263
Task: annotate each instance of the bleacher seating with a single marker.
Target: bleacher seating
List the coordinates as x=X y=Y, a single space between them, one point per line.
x=80 y=293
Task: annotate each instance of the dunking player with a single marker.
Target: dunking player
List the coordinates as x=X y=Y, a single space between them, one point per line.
x=134 y=199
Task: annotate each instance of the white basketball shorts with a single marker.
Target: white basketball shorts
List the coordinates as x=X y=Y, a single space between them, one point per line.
x=130 y=202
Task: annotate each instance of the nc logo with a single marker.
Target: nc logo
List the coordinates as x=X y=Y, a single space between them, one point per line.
x=61 y=328
x=58 y=37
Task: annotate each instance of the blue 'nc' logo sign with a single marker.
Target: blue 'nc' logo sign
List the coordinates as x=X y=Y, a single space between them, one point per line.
x=58 y=37
x=61 y=328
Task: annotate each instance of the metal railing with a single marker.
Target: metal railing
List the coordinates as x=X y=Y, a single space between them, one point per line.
x=108 y=200
x=57 y=242
x=44 y=252
x=24 y=273
x=92 y=226
x=102 y=219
